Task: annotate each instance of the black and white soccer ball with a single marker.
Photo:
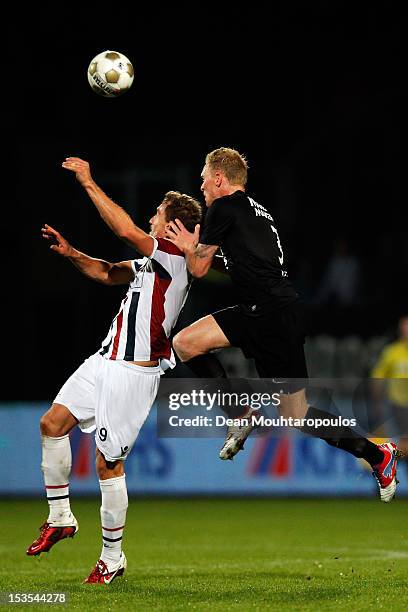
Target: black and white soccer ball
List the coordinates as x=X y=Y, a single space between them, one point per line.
x=110 y=74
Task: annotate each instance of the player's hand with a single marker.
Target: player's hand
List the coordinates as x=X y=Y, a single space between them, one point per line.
x=59 y=244
x=81 y=169
x=183 y=239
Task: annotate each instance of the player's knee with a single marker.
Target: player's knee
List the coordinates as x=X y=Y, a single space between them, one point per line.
x=178 y=343
x=50 y=426
x=183 y=345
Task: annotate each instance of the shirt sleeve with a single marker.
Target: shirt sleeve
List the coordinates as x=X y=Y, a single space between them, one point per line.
x=218 y=221
x=137 y=264
x=168 y=256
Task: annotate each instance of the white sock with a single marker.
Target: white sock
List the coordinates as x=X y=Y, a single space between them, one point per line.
x=56 y=467
x=113 y=518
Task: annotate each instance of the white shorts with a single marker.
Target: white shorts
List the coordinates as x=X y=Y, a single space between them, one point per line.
x=113 y=397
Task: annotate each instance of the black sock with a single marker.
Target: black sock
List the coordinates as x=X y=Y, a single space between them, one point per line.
x=206 y=366
x=343 y=437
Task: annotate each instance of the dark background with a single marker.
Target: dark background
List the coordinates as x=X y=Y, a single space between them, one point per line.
x=314 y=94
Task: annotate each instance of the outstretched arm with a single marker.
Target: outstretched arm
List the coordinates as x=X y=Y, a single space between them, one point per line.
x=199 y=257
x=97 y=269
x=113 y=215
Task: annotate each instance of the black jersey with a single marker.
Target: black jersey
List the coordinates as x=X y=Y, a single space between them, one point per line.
x=253 y=255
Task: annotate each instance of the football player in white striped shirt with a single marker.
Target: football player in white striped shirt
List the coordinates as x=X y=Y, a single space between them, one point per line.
x=113 y=390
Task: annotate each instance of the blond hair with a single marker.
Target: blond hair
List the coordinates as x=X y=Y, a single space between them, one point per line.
x=229 y=162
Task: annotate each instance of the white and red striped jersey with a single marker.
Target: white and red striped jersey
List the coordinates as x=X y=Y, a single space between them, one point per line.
x=149 y=311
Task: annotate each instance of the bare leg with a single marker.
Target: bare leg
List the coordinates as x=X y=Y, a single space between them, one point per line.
x=57 y=421
x=108 y=469
x=199 y=338
x=293 y=405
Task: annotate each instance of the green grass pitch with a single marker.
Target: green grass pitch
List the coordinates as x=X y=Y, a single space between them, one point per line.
x=221 y=554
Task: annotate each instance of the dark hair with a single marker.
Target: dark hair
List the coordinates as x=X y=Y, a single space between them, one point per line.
x=183 y=207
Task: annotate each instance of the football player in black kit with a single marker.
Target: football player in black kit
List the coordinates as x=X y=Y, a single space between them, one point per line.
x=266 y=324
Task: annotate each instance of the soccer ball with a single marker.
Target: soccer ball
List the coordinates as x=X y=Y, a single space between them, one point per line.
x=110 y=74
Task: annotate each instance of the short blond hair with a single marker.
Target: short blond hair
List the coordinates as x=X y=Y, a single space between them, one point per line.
x=230 y=162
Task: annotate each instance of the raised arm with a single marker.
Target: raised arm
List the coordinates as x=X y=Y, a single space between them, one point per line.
x=97 y=269
x=199 y=257
x=113 y=215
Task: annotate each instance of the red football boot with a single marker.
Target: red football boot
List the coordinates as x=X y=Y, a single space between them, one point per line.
x=50 y=535
x=385 y=472
x=101 y=575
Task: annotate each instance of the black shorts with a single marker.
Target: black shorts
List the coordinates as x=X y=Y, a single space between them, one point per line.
x=274 y=338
